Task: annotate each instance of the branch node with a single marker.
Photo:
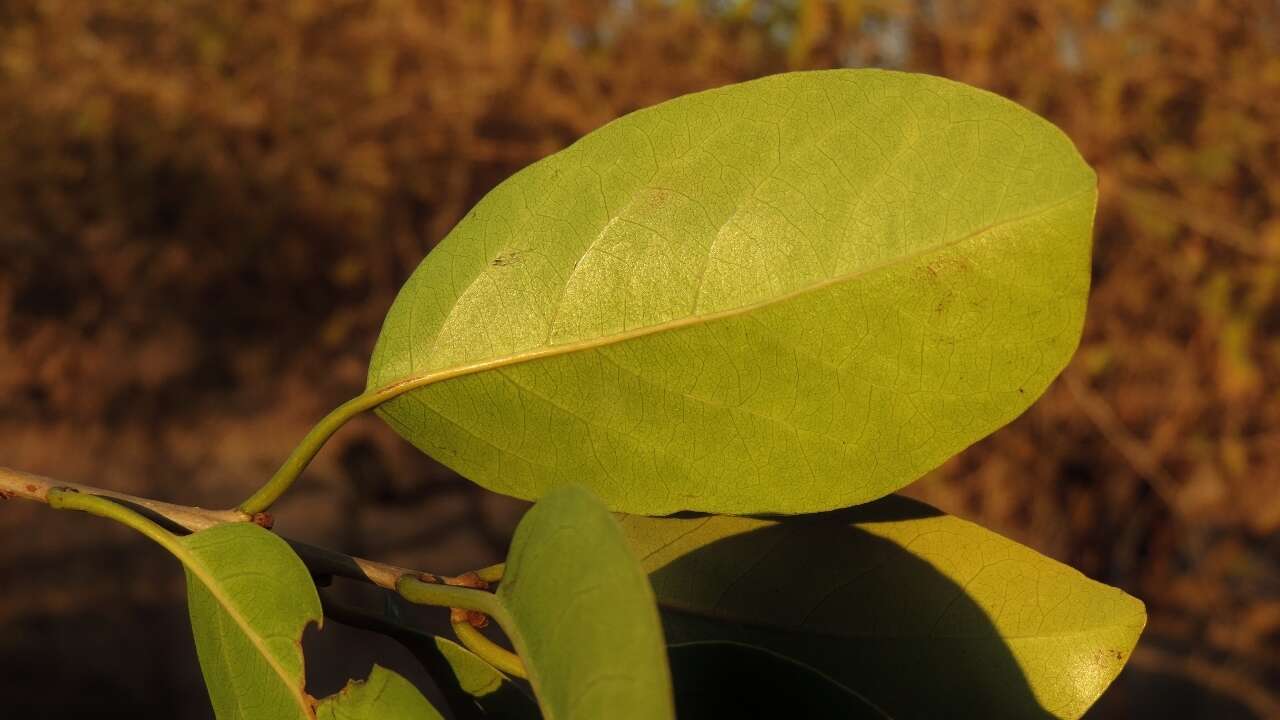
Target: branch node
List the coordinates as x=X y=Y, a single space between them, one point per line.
x=474 y=618
x=467 y=580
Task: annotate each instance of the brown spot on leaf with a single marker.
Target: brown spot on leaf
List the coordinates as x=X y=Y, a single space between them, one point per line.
x=511 y=257
x=944 y=303
x=944 y=266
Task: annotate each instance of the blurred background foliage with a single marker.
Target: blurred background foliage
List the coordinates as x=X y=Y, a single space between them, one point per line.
x=207 y=207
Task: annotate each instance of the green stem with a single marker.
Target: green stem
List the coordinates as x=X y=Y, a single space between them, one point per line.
x=369 y=399
x=450 y=596
x=311 y=444
x=487 y=650
x=65 y=499
x=462 y=598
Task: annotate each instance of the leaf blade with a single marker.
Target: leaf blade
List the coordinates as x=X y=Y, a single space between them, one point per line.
x=249 y=641
x=921 y=613
x=819 y=333
x=581 y=615
x=492 y=692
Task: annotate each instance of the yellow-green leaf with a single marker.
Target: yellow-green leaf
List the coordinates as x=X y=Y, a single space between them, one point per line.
x=923 y=614
x=250 y=598
x=792 y=294
x=580 y=613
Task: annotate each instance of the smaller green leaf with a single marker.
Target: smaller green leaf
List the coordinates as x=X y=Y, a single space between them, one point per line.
x=581 y=614
x=250 y=598
x=492 y=692
x=384 y=696
x=248 y=619
x=726 y=680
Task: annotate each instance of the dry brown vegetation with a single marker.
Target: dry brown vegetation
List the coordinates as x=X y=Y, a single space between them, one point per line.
x=206 y=208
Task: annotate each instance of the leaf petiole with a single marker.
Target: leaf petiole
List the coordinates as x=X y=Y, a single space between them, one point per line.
x=72 y=499
x=417 y=591
x=461 y=599
x=486 y=649
x=310 y=445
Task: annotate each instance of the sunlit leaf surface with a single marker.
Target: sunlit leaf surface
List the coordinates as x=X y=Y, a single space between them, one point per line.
x=788 y=295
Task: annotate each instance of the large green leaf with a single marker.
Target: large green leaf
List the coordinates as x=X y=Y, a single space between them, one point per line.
x=384 y=696
x=923 y=614
x=250 y=598
x=716 y=680
x=581 y=615
x=788 y=295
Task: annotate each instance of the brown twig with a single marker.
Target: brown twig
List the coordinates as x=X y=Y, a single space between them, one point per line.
x=27 y=486
x=466 y=595
x=320 y=561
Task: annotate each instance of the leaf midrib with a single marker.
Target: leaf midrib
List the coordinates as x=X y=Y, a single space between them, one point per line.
x=412 y=382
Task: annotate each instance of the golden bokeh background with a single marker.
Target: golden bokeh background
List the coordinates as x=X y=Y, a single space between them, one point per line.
x=207 y=207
